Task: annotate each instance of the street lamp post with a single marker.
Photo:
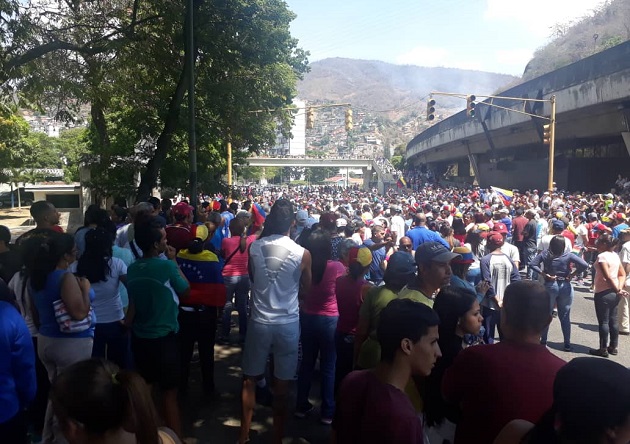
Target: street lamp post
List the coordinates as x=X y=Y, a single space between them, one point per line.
x=192 y=142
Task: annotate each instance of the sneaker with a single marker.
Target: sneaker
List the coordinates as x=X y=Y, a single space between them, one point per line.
x=554 y=313
x=624 y=333
x=613 y=351
x=304 y=411
x=601 y=352
x=326 y=421
x=568 y=348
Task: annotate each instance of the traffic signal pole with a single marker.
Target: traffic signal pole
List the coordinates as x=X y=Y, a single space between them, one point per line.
x=549 y=137
x=552 y=143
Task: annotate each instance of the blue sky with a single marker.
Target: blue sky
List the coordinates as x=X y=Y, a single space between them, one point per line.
x=489 y=35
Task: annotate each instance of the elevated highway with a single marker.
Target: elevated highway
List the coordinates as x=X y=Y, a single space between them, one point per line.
x=505 y=148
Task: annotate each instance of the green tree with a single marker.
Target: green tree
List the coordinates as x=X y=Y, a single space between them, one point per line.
x=127 y=60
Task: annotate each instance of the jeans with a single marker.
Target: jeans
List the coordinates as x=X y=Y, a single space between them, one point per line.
x=237 y=287
x=344 y=346
x=606 y=303
x=491 y=320
x=57 y=354
x=318 y=338
x=200 y=327
x=561 y=293
x=531 y=254
x=111 y=341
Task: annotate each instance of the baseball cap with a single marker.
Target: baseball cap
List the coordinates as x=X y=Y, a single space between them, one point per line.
x=496 y=239
x=557 y=225
x=200 y=232
x=466 y=256
x=621 y=216
x=341 y=222
x=500 y=227
x=434 y=252
x=216 y=205
x=401 y=263
x=360 y=255
x=183 y=209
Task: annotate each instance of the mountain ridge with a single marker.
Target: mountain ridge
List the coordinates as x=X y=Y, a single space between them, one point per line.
x=376 y=85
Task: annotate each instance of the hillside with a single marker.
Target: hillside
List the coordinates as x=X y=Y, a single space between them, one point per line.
x=606 y=26
x=377 y=86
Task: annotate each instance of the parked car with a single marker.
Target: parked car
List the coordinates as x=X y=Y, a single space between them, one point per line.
x=5 y=198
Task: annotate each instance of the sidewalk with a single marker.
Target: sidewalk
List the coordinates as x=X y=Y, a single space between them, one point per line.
x=218 y=420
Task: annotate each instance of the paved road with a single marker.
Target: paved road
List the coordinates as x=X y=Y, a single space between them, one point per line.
x=217 y=421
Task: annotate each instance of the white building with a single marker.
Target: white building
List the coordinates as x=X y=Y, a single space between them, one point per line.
x=296 y=145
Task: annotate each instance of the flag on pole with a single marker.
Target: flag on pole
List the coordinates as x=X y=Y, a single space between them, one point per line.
x=401 y=182
x=505 y=195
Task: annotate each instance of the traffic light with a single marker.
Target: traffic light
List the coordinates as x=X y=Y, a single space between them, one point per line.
x=310 y=118
x=430 y=110
x=470 y=105
x=349 y=120
x=547 y=134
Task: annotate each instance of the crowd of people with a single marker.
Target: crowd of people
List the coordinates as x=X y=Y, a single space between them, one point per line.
x=399 y=297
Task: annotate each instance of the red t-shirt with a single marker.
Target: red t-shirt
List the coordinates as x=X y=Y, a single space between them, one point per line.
x=518 y=224
x=495 y=384
x=179 y=236
x=567 y=233
x=372 y=412
x=349 y=300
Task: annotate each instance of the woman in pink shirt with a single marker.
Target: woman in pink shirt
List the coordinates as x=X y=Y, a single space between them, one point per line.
x=609 y=282
x=235 y=254
x=318 y=322
x=350 y=291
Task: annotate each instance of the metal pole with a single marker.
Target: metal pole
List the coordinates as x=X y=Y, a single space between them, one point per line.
x=192 y=142
x=552 y=142
x=229 y=165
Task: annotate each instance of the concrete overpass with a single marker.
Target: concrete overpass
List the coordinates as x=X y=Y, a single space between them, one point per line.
x=505 y=148
x=369 y=167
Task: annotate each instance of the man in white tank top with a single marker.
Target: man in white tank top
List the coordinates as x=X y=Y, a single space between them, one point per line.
x=280 y=270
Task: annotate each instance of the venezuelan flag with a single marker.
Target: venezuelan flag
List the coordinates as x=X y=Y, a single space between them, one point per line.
x=505 y=195
x=402 y=183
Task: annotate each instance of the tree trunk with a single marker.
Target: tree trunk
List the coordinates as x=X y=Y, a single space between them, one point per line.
x=149 y=177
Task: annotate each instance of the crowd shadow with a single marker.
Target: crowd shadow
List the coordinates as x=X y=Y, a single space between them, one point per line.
x=216 y=419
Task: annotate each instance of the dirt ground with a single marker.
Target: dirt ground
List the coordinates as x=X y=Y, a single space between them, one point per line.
x=14 y=217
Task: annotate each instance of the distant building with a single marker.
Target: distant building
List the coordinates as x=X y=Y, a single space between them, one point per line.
x=296 y=144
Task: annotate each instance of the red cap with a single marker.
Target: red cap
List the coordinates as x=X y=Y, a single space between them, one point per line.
x=216 y=205
x=182 y=208
x=500 y=227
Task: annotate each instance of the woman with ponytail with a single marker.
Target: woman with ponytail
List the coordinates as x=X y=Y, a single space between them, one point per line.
x=97 y=403
x=318 y=320
x=105 y=274
x=62 y=305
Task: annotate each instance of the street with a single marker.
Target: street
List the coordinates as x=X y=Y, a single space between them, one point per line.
x=217 y=421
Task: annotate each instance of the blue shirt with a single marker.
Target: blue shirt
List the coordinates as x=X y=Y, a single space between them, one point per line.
x=420 y=235
x=44 y=303
x=17 y=363
x=378 y=256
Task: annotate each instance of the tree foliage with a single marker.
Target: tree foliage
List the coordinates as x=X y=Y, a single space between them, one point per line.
x=606 y=26
x=126 y=60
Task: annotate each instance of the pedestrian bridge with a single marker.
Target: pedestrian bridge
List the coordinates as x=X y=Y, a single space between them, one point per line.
x=369 y=166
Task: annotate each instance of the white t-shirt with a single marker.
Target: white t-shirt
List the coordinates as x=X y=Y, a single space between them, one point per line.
x=624 y=256
x=107 y=304
x=580 y=231
x=398 y=226
x=544 y=243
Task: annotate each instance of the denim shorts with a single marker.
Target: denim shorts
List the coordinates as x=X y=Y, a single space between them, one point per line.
x=281 y=340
